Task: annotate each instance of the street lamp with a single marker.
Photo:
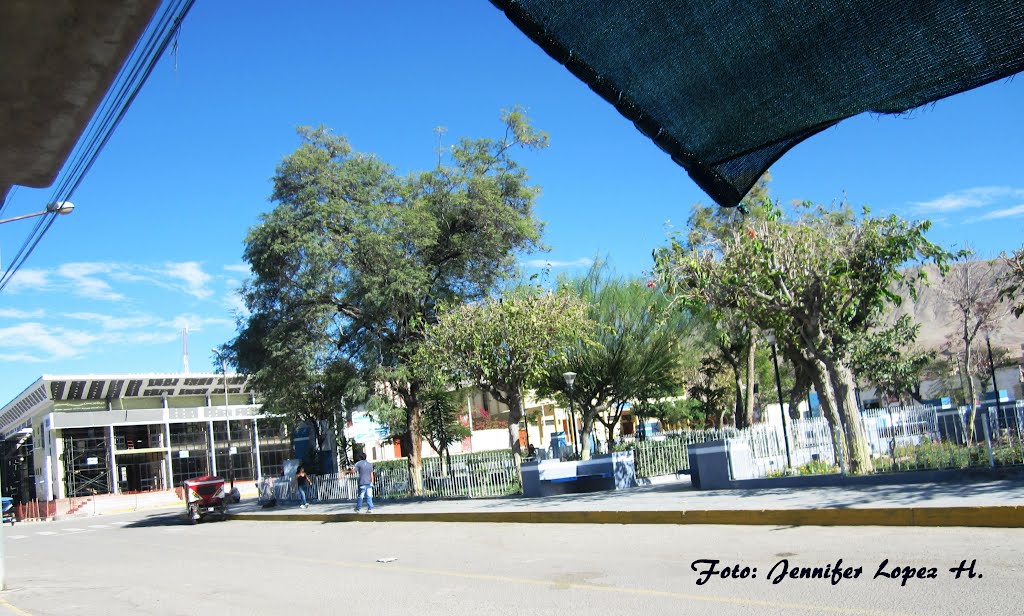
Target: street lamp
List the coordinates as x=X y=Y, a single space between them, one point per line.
x=992 y=369
x=61 y=207
x=57 y=207
x=227 y=417
x=570 y=378
x=778 y=386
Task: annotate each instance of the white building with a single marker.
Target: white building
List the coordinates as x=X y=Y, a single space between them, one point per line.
x=76 y=435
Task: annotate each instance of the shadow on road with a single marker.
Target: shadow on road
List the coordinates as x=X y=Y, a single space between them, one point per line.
x=162 y=519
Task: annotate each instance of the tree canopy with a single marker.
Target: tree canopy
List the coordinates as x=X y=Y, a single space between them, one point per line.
x=503 y=345
x=371 y=254
x=638 y=349
x=819 y=280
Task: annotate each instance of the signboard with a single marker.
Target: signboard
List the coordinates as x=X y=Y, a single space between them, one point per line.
x=233 y=450
x=183 y=453
x=364 y=430
x=92 y=461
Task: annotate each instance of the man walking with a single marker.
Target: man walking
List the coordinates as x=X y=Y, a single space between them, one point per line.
x=365 y=471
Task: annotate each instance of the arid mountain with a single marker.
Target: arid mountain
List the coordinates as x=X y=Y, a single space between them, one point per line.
x=938 y=318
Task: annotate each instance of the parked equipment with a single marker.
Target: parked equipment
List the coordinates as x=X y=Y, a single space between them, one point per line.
x=205 y=496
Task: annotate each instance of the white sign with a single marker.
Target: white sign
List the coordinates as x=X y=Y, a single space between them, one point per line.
x=233 y=450
x=92 y=461
x=183 y=453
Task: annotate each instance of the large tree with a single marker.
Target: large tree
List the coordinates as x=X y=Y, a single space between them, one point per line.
x=972 y=293
x=380 y=251
x=297 y=370
x=504 y=345
x=819 y=280
x=734 y=337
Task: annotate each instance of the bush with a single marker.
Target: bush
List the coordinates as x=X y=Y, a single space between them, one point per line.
x=938 y=455
x=817 y=467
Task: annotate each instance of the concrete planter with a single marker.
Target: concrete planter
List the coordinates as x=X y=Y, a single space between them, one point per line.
x=613 y=471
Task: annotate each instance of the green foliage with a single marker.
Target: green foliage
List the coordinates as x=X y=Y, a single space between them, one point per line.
x=817 y=467
x=884 y=357
x=1012 y=288
x=358 y=257
x=688 y=413
x=636 y=354
x=710 y=389
x=503 y=344
x=441 y=426
x=938 y=455
x=819 y=280
x=386 y=413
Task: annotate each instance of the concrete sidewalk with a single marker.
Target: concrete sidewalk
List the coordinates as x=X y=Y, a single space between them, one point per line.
x=979 y=503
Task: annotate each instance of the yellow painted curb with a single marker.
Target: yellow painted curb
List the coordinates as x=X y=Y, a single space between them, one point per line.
x=1004 y=516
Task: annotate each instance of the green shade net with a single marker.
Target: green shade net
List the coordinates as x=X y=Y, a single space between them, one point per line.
x=727 y=87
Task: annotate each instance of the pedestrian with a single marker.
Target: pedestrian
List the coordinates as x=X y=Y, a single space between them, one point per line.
x=365 y=472
x=302 y=485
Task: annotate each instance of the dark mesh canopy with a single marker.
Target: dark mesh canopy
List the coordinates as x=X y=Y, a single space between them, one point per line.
x=726 y=87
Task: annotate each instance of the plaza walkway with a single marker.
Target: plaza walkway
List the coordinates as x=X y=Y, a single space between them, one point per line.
x=995 y=503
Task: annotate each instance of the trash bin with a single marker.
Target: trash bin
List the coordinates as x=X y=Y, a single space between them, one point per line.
x=709 y=465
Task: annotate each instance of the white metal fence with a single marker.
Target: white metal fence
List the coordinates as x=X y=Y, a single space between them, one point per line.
x=473 y=475
x=667 y=453
x=763 y=447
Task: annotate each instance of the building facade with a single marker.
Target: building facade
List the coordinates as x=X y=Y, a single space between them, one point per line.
x=79 y=435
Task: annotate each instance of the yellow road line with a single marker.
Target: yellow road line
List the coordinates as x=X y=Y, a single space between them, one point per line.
x=19 y=612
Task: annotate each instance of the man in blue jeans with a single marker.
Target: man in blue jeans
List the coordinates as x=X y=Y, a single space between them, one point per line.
x=365 y=471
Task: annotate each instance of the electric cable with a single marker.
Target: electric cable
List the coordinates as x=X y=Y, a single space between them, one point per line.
x=129 y=81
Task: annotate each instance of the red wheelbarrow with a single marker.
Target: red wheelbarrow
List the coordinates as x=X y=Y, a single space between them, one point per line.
x=206 y=496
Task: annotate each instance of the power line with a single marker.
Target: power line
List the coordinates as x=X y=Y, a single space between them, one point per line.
x=129 y=81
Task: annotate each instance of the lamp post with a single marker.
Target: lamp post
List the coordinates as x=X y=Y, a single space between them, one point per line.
x=570 y=378
x=992 y=369
x=778 y=387
x=227 y=417
x=61 y=207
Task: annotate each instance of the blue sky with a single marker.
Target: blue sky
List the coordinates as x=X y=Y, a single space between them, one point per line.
x=155 y=241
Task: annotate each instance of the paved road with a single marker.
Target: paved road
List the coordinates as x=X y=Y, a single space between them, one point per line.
x=156 y=564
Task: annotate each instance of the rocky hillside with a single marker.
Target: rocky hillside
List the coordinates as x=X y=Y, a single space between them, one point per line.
x=938 y=319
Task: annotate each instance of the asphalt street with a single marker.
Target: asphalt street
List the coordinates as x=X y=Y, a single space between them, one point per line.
x=157 y=564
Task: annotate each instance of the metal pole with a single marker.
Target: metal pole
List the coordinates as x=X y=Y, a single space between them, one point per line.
x=782 y=410
x=992 y=370
x=227 y=423
x=572 y=423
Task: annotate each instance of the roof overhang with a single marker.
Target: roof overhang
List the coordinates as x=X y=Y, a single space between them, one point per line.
x=59 y=59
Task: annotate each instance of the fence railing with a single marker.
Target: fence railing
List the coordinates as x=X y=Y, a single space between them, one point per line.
x=471 y=475
x=667 y=453
x=899 y=438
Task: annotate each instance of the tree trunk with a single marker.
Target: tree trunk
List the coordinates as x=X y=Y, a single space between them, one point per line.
x=515 y=413
x=827 y=399
x=970 y=385
x=588 y=428
x=415 y=442
x=737 y=413
x=856 y=439
x=748 y=409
